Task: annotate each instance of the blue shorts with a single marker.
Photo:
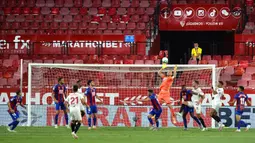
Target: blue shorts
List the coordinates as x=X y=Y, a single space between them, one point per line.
x=91 y=110
x=157 y=113
x=60 y=106
x=15 y=115
x=238 y=112
x=188 y=109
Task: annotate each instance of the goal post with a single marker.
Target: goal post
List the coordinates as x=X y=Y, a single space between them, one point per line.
x=119 y=86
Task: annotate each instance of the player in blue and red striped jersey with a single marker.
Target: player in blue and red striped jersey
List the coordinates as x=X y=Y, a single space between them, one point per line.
x=155 y=111
x=59 y=95
x=186 y=96
x=91 y=95
x=13 y=111
x=240 y=99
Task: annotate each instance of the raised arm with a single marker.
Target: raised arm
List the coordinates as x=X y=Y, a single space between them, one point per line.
x=175 y=71
x=160 y=73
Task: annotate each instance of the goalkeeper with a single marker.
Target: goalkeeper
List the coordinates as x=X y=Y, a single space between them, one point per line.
x=164 y=94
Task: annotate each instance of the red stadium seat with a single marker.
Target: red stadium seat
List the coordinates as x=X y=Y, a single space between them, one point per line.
x=246 y=76
x=251 y=84
x=118 y=61
x=135 y=18
x=131 y=11
x=135 y=3
x=54 y=11
x=68 y=3
x=144 y=4
x=112 y=11
x=233 y=63
x=68 y=61
x=121 y=11
x=36 y=10
x=3 y=3
x=125 y=3
x=96 y=3
x=192 y=62
x=149 y=62
x=223 y=63
x=213 y=62
x=50 y=3
x=229 y=70
x=30 y=3
x=149 y=11
x=116 y=19
x=86 y=18
x=206 y=57
x=128 y=61
x=58 y=61
x=16 y=11
x=115 y=3
x=59 y=3
x=217 y=57
x=40 y=3
x=225 y=77
x=64 y=11
x=243 y=63
x=140 y=11
x=3 y=82
x=227 y=57
x=101 y=11
x=131 y=26
x=139 y=61
x=242 y=83
x=83 y=11
x=78 y=3
x=203 y=62
x=250 y=70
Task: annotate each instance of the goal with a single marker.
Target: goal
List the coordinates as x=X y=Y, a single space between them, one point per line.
x=119 y=86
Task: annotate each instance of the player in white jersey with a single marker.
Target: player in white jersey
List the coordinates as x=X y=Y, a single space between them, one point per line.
x=216 y=103
x=74 y=100
x=196 y=101
x=80 y=92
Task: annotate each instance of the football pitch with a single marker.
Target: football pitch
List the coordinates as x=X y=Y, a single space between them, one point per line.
x=124 y=135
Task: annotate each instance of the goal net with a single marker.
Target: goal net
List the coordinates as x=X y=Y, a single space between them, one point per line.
x=120 y=86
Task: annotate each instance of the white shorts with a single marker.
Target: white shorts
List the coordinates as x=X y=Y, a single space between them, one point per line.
x=216 y=106
x=82 y=108
x=75 y=114
x=196 y=105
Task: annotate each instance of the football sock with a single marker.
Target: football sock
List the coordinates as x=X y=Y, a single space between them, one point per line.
x=196 y=119
x=94 y=121
x=216 y=118
x=66 y=117
x=241 y=122
x=73 y=126
x=202 y=122
x=184 y=122
x=14 y=125
x=89 y=121
x=150 y=120
x=77 y=127
x=56 y=119
x=82 y=113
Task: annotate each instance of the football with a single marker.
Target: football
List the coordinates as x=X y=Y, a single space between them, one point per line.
x=165 y=60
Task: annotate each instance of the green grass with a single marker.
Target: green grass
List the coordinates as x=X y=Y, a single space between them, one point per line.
x=124 y=135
